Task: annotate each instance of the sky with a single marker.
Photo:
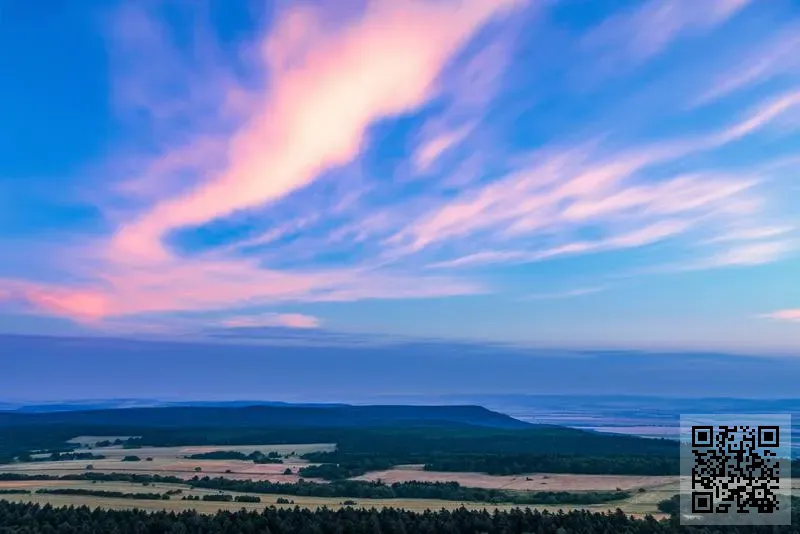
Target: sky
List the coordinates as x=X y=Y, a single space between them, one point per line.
x=615 y=174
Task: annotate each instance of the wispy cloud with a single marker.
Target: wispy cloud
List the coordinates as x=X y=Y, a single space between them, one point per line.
x=784 y=315
x=578 y=187
x=647 y=29
x=328 y=85
x=288 y=320
x=315 y=117
x=777 y=56
x=751 y=233
x=570 y=293
x=433 y=148
x=394 y=150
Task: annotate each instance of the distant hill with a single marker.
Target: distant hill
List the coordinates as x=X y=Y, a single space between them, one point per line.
x=110 y=404
x=263 y=416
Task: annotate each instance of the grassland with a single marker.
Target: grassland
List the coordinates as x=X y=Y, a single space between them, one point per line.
x=171 y=461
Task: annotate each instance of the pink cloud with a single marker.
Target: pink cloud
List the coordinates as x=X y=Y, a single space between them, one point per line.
x=328 y=87
x=432 y=149
x=287 y=320
x=588 y=185
x=649 y=234
x=762 y=116
x=216 y=286
x=77 y=303
x=785 y=315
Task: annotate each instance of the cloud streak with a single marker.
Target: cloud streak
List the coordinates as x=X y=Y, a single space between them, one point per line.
x=287 y=320
x=790 y=315
x=396 y=150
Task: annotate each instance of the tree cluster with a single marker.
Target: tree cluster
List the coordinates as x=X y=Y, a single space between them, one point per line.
x=103 y=493
x=255 y=456
x=16 y=518
x=449 y=491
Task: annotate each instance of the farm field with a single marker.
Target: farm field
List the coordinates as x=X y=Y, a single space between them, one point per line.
x=640 y=504
x=534 y=482
x=170 y=461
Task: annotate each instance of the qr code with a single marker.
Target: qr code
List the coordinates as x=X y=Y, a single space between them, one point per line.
x=737 y=468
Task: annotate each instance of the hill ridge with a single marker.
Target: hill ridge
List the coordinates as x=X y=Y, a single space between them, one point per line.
x=289 y=415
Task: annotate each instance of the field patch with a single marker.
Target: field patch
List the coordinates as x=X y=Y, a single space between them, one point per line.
x=532 y=482
x=181 y=468
x=171 y=461
x=176 y=504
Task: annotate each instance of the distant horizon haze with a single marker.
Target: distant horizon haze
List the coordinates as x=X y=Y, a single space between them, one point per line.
x=64 y=368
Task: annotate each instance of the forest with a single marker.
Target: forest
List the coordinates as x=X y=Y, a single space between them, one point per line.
x=34 y=519
x=469 y=430
x=439 y=445
x=448 y=447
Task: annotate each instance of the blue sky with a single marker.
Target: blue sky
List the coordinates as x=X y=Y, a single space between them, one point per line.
x=562 y=173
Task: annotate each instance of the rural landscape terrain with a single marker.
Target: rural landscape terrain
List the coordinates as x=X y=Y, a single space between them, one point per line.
x=411 y=457
x=399 y=266
x=414 y=458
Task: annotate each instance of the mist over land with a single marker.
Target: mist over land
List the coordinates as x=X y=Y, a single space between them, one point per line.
x=67 y=368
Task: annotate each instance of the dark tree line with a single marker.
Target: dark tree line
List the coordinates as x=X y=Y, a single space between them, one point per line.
x=109 y=443
x=255 y=456
x=340 y=465
x=105 y=494
x=57 y=456
x=34 y=519
x=449 y=491
x=397 y=441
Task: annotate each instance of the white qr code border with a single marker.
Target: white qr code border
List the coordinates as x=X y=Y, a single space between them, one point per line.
x=735 y=487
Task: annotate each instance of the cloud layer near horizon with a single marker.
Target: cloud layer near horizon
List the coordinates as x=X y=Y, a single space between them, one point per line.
x=414 y=149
